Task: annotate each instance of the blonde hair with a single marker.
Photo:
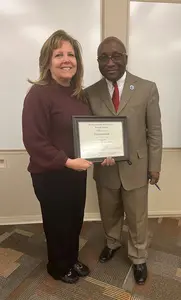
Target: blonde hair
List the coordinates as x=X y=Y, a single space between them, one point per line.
x=52 y=43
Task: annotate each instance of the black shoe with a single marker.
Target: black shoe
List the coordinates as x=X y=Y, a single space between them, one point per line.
x=81 y=269
x=70 y=277
x=140 y=273
x=107 y=254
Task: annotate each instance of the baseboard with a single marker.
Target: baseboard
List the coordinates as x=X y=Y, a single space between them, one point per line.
x=26 y=219
x=92 y=217
x=34 y=219
x=165 y=214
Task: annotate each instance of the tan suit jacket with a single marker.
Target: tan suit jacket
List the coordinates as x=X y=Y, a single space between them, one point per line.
x=140 y=103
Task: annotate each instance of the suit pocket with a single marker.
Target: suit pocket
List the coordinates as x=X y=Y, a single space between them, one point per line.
x=142 y=153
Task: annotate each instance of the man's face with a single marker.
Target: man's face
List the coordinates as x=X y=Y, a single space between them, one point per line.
x=112 y=60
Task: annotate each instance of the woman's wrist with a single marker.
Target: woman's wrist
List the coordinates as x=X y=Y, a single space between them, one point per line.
x=68 y=163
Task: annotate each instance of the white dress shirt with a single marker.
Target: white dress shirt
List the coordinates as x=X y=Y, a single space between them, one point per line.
x=120 y=84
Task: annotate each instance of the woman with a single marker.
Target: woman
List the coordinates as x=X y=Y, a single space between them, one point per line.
x=59 y=179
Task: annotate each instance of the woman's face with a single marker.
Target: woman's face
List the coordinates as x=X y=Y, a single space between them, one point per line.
x=63 y=64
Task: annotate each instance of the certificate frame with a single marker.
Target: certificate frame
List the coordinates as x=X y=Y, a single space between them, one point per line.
x=76 y=120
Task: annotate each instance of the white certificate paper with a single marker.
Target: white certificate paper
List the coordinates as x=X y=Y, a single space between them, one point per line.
x=101 y=139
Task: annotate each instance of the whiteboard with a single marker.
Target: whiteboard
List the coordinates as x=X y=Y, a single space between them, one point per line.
x=155 y=54
x=24 y=27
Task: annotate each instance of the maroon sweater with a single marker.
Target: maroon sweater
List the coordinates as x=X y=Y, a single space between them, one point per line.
x=47 y=126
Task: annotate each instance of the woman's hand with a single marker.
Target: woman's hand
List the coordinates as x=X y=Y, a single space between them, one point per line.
x=78 y=164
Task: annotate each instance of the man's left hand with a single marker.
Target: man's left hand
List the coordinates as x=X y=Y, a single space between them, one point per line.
x=109 y=161
x=154 y=177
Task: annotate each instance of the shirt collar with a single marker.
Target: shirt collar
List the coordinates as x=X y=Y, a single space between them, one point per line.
x=119 y=82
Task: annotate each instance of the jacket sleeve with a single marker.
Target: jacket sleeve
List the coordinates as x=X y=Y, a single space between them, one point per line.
x=154 y=130
x=36 y=128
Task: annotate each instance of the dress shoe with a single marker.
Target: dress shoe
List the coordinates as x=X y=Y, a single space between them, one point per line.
x=107 y=254
x=81 y=269
x=140 y=273
x=70 y=277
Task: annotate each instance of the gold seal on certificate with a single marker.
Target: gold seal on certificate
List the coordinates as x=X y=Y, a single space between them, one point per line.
x=96 y=138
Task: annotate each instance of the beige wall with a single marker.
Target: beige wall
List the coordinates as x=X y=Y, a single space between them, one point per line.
x=17 y=201
x=115 y=16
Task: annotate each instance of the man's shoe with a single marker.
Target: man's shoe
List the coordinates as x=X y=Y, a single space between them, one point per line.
x=140 y=273
x=81 y=269
x=107 y=254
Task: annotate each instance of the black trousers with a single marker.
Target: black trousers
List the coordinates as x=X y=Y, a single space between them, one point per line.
x=62 y=199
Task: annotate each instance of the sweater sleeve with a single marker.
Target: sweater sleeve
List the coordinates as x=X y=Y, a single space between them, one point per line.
x=36 y=128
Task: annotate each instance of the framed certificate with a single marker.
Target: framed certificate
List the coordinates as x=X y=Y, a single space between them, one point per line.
x=96 y=138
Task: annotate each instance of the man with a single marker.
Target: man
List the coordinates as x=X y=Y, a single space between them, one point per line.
x=123 y=186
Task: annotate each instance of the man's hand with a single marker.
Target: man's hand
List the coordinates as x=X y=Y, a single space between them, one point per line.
x=109 y=161
x=154 y=177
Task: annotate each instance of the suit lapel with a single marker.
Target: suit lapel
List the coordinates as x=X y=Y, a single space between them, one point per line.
x=105 y=96
x=128 y=91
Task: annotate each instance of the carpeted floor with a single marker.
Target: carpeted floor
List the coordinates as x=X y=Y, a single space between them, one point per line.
x=23 y=259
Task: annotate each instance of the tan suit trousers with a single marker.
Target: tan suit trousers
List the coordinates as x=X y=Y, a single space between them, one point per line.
x=113 y=204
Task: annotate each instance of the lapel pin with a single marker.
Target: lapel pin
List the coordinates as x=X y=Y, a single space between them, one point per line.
x=131 y=87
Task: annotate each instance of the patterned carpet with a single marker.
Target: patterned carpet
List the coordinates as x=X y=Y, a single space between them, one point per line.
x=23 y=259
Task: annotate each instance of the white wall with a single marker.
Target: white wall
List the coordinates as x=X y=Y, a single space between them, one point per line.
x=155 y=54
x=24 y=27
